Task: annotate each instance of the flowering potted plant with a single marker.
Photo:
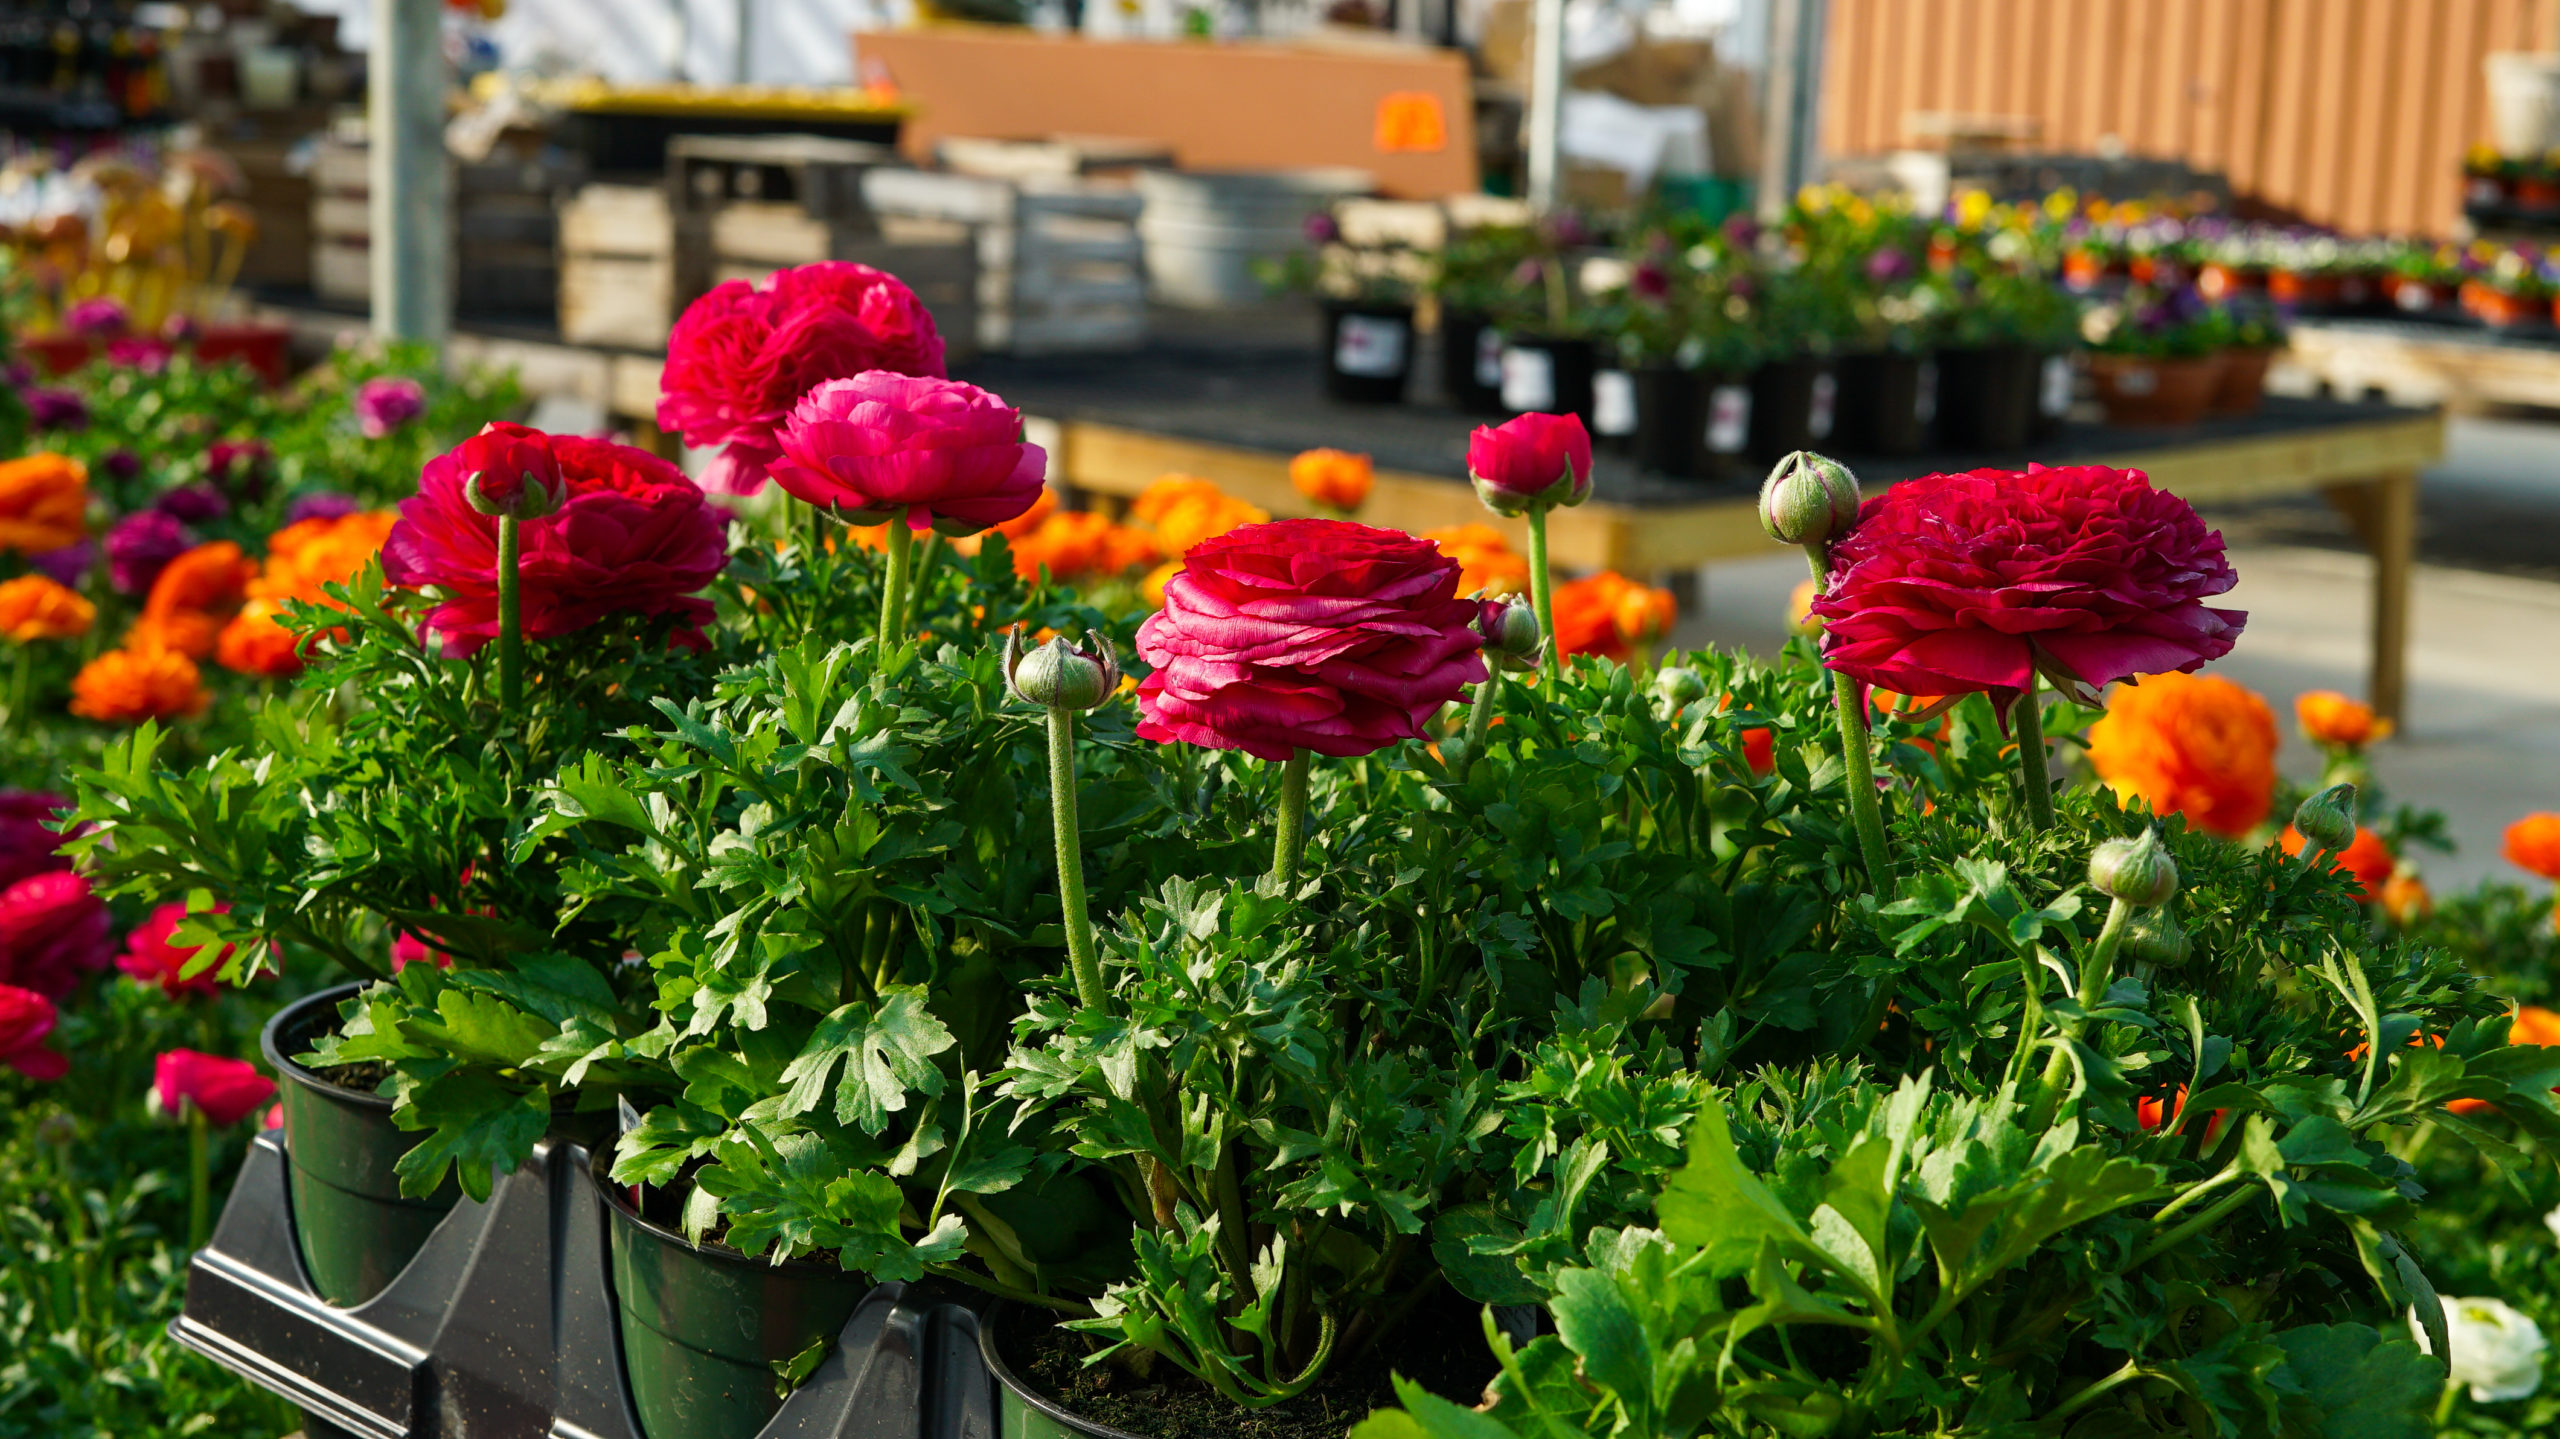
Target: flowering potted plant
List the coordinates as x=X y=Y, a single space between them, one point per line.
x=2155 y=357
x=1687 y=356
x=1471 y=286
x=2506 y=288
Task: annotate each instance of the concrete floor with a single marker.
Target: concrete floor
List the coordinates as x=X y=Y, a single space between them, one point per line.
x=2483 y=739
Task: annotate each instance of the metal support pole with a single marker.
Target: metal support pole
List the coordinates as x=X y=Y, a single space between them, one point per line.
x=744 y=70
x=1778 y=132
x=412 y=212
x=1546 y=103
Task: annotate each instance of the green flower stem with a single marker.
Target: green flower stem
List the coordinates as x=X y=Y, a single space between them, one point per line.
x=2195 y=1226
x=1856 y=752
x=1290 y=836
x=2097 y=971
x=2031 y=762
x=510 y=616
x=1062 y=809
x=928 y=550
x=199 y=1180
x=1479 y=717
x=1542 y=594
x=893 y=585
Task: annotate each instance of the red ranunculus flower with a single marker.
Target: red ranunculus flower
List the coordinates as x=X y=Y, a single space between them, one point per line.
x=634 y=536
x=950 y=454
x=743 y=355
x=26 y=1018
x=27 y=842
x=1530 y=462
x=1306 y=634
x=1952 y=584
x=52 y=929
x=224 y=1091
x=151 y=958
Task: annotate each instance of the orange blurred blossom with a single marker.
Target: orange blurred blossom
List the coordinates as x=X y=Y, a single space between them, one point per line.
x=37 y=607
x=128 y=686
x=2196 y=745
x=1336 y=480
x=44 y=503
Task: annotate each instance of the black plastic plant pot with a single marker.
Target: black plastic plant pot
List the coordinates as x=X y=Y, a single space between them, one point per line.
x=1471 y=362
x=702 y=1328
x=355 y=1229
x=1793 y=405
x=2055 y=381
x=1548 y=374
x=1368 y=352
x=1671 y=421
x=1023 y=1412
x=1987 y=397
x=1887 y=401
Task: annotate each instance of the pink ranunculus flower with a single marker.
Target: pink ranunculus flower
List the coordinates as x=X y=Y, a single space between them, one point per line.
x=101 y=318
x=28 y=843
x=225 y=1091
x=1533 y=462
x=26 y=1020
x=1321 y=635
x=407 y=949
x=53 y=929
x=1956 y=584
x=950 y=454
x=140 y=352
x=633 y=536
x=743 y=355
x=386 y=402
x=151 y=957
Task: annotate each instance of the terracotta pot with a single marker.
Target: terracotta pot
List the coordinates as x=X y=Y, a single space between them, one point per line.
x=56 y=354
x=2536 y=195
x=263 y=348
x=2141 y=390
x=2242 y=387
x=2498 y=309
x=2315 y=291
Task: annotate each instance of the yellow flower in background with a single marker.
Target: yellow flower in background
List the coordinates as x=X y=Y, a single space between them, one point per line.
x=1973 y=207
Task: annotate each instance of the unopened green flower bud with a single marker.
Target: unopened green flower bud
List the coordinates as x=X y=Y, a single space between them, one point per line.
x=527 y=499
x=1808 y=499
x=2154 y=937
x=1060 y=675
x=1510 y=631
x=1680 y=685
x=2327 y=820
x=2137 y=871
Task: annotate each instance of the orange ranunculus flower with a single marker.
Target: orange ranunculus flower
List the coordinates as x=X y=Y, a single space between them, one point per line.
x=2330 y=718
x=2196 y=745
x=1644 y=614
x=2365 y=860
x=254 y=643
x=1125 y=548
x=1586 y=613
x=1204 y=517
x=193 y=598
x=1042 y=507
x=2533 y=844
x=305 y=555
x=2405 y=900
x=1336 y=479
x=1487 y=565
x=128 y=686
x=1082 y=544
x=1153 y=585
x=38 y=607
x=44 y=503
x=1801 y=619
x=1167 y=491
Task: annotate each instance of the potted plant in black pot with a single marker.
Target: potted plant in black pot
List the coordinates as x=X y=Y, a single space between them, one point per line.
x=1686 y=360
x=1549 y=351
x=2004 y=376
x=1364 y=295
x=1801 y=314
x=1471 y=286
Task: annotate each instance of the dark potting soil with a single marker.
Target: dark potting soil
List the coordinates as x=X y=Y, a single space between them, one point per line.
x=365 y=1076
x=1439 y=1346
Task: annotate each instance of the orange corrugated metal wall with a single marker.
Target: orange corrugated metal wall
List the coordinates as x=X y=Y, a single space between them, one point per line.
x=2351 y=113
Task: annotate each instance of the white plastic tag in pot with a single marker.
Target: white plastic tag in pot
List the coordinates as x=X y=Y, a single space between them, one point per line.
x=1924 y=401
x=1489 y=358
x=1826 y=405
x=1528 y=380
x=1370 y=346
x=1728 y=419
x=1613 y=403
x=2053 y=393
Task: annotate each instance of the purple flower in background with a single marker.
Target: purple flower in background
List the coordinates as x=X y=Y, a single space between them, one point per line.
x=68 y=564
x=121 y=463
x=53 y=409
x=182 y=329
x=1650 y=280
x=1528 y=273
x=1888 y=265
x=17 y=374
x=194 y=503
x=139 y=352
x=321 y=505
x=1568 y=230
x=102 y=318
x=239 y=466
x=1322 y=228
x=1741 y=231
x=387 y=402
x=141 y=546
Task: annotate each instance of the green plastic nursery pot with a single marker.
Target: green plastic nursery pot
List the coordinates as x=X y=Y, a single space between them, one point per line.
x=1023 y=1412
x=702 y=1327
x=355 y=1229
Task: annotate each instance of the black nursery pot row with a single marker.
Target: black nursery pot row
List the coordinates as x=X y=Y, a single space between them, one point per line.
x=562 y=1304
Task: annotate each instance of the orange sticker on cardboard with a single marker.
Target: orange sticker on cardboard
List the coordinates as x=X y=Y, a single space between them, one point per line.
x=1411 y=120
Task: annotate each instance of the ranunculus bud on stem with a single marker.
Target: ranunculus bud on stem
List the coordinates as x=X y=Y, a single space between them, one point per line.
x=2135 y=874
x=1528 y=466
x=2327 y=823
x=1808 y=499
x=1063 y=678
x=2155 y=938
x=1512 y=641
x=2137 y=871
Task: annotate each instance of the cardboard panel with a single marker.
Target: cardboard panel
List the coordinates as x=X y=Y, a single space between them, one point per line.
x=1219 y=106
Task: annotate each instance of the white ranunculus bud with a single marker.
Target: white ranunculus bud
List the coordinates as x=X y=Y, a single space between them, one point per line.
x=2551 y=1222
x=2496 y=1350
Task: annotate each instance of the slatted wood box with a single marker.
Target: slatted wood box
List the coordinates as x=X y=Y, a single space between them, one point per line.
x=1060 y=268
x=618 y=267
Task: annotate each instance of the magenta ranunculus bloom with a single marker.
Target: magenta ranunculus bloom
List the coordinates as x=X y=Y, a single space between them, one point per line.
x=140 y=352
x=194 y=503
x=53 y=929
x=101 y=318
x=321 y=505
x=224 y=1091
x=26 y=1020
x=386 y=402
x=151 y=958
x=1531 y=462
x=28 y=843
x=52 y=408
x=950 y=454
x=743 y=355
x=1953 y=584
x=1321 y=635
x=634 y=536
x=140 y=546
x=240 y=467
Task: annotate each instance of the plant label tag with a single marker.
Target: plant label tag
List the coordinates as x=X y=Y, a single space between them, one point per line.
x=2053 y=394
x=2140 y=380
x=1369 y=346
x=1613 y=403
x=1924 y=400
x=1826 y=406
x=1728 y=419
x=2414 y=297
x=1528 y=380
x=1489 y=358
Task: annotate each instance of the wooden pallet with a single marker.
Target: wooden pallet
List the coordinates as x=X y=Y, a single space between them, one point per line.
x=2421 y=364
x=1060 y=266
x=617 y=267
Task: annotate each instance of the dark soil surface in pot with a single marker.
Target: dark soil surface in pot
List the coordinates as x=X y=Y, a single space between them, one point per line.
x=363 y=1077
x=1440 y=1346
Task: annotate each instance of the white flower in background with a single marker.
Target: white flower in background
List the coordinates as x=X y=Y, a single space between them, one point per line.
x=2551 y=1222
x=2496 y=1351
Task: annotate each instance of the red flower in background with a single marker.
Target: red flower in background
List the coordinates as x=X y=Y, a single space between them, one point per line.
x=27 y=842
x=224 y=1091
x=634 y=536
x=1321 y=635
x=150 y=958
x=52 y=930
x=743 y=355
x=26 y=1019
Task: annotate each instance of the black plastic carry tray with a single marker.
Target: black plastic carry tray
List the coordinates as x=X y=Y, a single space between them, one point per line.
x=503 y=1327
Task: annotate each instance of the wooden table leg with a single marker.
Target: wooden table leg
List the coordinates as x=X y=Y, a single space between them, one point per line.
x=2394 y=542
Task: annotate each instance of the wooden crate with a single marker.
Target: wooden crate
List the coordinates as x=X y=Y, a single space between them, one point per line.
x=1058 y=157
x=819 y=176
x=341 y=223
x=1060 y=266
x=617 y=267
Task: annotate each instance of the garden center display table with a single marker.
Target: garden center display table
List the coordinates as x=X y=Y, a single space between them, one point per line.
x=2428 y=361
x=1235 y=407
